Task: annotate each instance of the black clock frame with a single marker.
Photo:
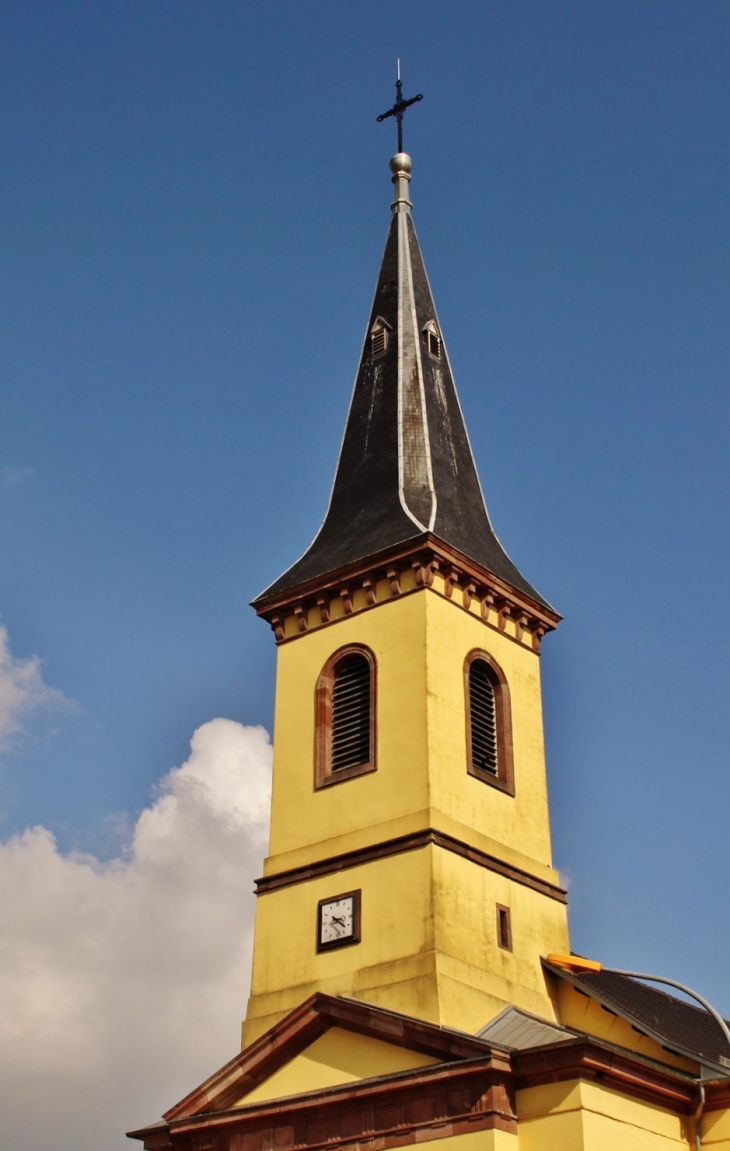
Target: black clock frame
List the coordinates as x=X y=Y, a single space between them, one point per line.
x=356 y=897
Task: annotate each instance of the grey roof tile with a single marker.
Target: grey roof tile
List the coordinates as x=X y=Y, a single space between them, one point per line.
x=521 y=1031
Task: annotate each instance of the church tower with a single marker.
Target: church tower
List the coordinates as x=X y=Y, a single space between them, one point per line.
x=411 y=981
x=409 y=863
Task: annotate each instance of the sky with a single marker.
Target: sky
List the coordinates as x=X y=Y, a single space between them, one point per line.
x=194 y=203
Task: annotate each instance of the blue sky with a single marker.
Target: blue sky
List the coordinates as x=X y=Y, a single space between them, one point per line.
x=194 y=202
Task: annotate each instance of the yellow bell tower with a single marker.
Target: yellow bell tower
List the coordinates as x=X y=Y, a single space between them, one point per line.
x=411 y=979
x=409 y=862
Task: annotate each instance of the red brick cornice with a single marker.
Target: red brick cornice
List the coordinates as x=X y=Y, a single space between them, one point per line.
x=394 y=1110
x=587 y=1059
x=465 y=583
x=717 y=1096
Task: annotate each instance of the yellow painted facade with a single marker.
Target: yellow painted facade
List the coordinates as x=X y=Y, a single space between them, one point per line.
x=716 y=1130
x=429 y=946
x=335 y=1058
x=429 y=938
x=582 y=1116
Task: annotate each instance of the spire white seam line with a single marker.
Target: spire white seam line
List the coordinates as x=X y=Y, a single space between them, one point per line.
x=404 y=266
x=421 y=384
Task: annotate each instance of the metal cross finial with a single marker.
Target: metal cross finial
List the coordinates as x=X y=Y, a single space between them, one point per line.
x=399 y=108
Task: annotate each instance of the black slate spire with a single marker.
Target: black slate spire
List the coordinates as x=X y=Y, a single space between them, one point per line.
x=406 y=468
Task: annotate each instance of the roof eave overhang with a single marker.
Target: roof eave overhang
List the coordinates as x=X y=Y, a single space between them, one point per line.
x=421 y=550
x=633 y=1020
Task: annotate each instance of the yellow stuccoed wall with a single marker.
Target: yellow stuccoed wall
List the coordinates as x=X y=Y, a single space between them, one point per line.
x=396 y=953
x=521 y=822
x=580 y=1116
x=304 y=818
x=420 y=641
x=335 y=1058
x=716 y=1130
x=476 y=977
x=428 y=916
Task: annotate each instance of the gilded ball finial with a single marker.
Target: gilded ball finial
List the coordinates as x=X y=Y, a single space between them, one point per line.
x=401 y=162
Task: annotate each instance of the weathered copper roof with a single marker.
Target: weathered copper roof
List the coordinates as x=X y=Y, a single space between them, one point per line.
x=405 y=467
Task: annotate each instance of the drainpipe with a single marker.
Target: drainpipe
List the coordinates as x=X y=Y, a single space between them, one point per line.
x=697 y=1118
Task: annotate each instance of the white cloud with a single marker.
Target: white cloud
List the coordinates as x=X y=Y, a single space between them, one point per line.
x=22 y=690
x=123 y=983
x=11 y=477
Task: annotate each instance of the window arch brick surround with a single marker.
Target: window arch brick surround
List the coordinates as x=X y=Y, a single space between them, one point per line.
x=486 y=690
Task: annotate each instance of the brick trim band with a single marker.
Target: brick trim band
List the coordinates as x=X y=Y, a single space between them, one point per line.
x=398 y=846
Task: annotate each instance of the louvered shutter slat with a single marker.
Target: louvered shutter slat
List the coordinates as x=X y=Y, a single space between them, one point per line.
x=351 y=713
x=483 y=718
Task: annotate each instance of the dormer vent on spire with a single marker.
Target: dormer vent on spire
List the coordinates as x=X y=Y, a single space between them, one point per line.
x=433 y=339
x=379 y=337
x=405 y=473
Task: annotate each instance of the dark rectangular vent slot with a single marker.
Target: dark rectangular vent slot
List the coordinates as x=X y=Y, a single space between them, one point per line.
x=351 y=713
x=483 y=719
x=434 y=345
x=504 y=927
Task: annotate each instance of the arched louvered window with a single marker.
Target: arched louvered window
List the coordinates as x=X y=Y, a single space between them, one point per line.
x=345 y=716
x=488 y=722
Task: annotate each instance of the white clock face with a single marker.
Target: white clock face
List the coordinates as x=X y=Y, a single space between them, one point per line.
x=337 y=921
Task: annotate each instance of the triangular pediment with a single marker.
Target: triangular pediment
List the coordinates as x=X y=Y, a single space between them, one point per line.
x=339 y=1056
x=324 y=1043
